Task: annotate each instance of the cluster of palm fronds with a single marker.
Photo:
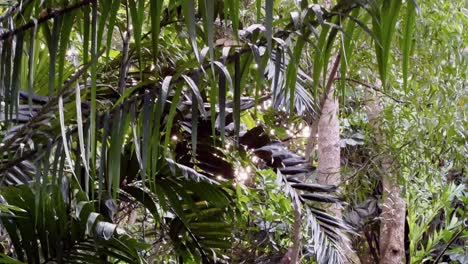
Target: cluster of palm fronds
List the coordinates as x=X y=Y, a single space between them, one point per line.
x=77 y=139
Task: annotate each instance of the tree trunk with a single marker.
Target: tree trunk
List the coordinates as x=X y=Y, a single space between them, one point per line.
x=392 y=218
x=329 y=145
x=328 y=171
x=328 y=129
x=329 y=159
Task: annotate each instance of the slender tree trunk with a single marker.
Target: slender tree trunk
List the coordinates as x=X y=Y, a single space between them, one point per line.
x=293 y=254
x=328 y=129
x=329 y=152
x=329 y=156
x=329 y=144
x=392 y=219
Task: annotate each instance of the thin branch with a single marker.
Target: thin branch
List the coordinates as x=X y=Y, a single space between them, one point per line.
x=365 y=165
x=447 y=246
x=44 y=18
x=328 y=88
x=18 y=7
x=369 y=86
x=331 y=78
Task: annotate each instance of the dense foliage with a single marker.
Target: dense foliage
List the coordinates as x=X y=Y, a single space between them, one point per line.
x=158 y=131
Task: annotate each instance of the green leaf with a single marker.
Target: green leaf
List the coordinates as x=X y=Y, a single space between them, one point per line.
x=111 y=23
x=234 y=15
x=407 y=40
x=64 y=137
x=137 y=13
x=384 y=30
x=53 y=54
x=65 y=31
x=16 y=77
x=237 y=95
x=95 y=44
x=115 y=150
x=5 y=75
x=209 y=19
x=291 y=73
x=194 y=132
x=157 y=121
x=188 y=7
x=347 y=45
x=79 y=118
x=31 y=56
x=128 y=92
x=197 y=94
x=269 y=23
x=147 y=109
x=155 y=11
x=86 y=32
x=105 y=8
x=8 y=260
x=103 y=159
x=222 y=97
x=171 y=115
x=144 y=198
x=278 y=58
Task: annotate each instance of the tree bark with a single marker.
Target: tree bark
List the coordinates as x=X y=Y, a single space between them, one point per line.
x=392 y=218
x=329 y=152
x=293 y=254
x=328 y=171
